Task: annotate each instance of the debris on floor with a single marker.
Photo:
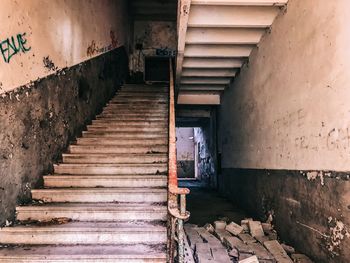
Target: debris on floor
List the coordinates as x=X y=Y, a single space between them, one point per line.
x=248 y=242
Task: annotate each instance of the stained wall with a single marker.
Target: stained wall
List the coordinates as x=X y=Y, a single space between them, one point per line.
x=60 y=62
x=284 y=129
x=39 y=37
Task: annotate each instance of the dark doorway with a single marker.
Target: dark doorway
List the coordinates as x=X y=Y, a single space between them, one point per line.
x=157 y=69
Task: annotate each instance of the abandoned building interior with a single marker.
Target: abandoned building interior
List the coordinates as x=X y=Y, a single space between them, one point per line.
x=175 y=131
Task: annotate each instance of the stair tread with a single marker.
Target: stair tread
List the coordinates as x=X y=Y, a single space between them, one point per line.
x=93 y=207
x=121 y=176
x=117 y=154
x=104 y=190
x=111 y=164
x=139 y=226
x=87 y=252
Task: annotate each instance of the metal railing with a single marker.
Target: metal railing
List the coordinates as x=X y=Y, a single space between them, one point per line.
x=177 y=213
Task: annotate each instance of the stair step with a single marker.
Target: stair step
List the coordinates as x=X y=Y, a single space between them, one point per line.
x=131 y=123
x=114 y=158
x=90 y=181
x=132 y=111
x=85 y=233
x=139 y=100
x=123 y=135
x=92 y=212
x=112 y=141
x=87 y=149
x=138 y=104
x=138 y=110
x=144 y=95
x=112 y=117
x=96 y=127
x=98 y=195
x=159 y=168
x=143 y=88
x=84 y=254
x=130 y=116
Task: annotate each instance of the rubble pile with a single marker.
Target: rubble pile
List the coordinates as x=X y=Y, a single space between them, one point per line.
x=248 y=242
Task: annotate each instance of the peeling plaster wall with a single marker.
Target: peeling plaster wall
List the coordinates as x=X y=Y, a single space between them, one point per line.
x=206 y=140
x=284 y=129
x=37 y=123
x=55 y=34
x=158 y=38
x=60 y=62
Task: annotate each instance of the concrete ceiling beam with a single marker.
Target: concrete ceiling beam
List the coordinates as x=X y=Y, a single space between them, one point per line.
x=194 y=72
x=213 y=62
x=241 y=2
x=218 y=51
x=205 y=80
x=182 y=22
x=198 y=98
x=232 y=16
x=224 y=35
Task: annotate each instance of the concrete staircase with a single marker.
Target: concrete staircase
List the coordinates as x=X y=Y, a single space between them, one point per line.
x=106 y=202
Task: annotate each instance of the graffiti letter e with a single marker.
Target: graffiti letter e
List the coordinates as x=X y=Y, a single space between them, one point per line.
x=4 y=47
x=22 y=41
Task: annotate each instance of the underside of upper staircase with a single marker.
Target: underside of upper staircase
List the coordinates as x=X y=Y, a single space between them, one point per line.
x=215 y=39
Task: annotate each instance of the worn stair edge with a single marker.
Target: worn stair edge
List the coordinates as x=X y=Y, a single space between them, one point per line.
x=65 y=181
x=105 y=169
x=111 y=141
x=84 y=233
x=87 y=149
x=98 y=195
x=92 y=212
x=88 y=254
x=114 y=158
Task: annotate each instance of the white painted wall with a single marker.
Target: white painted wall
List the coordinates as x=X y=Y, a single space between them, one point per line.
x=67 y=32
x=290 y=109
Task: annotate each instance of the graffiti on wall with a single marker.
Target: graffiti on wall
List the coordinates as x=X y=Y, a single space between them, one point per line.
x=94 y=49
x=165 y=52
x=12 y=46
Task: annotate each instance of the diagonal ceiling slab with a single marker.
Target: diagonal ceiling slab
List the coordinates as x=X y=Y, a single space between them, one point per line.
x=216 y=37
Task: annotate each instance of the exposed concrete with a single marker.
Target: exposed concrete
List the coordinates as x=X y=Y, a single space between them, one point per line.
x=37 y=122
x=311 y=217
x=158 y=38
x=205 y=138
x=288 y=110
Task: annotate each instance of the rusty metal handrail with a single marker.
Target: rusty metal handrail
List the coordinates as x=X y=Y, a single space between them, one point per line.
x=176 y=196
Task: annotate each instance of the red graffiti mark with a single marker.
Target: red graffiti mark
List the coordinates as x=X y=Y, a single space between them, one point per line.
x=92 y=49
x=114 y=39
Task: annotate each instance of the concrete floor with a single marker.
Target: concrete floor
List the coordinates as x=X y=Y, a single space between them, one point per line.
x=206 y=205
